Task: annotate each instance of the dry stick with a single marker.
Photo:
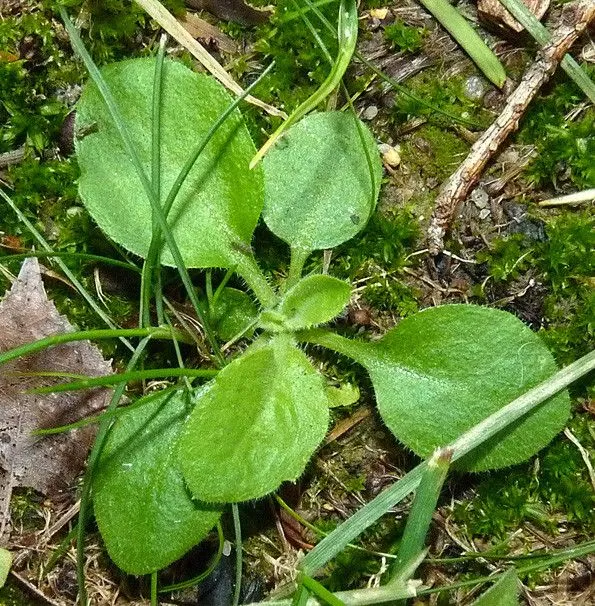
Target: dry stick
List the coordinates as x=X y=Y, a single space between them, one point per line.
x=575 y=19
x=171 y=25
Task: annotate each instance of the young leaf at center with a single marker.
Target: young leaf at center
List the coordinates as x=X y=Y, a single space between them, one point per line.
x=318 y=188
x=143 y=509
x=256 y=427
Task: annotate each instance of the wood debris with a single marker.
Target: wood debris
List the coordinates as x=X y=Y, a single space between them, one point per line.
x=575 y=19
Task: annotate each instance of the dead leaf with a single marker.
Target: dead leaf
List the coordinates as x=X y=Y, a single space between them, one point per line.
x=493 y=13
x=231 y=10
x=207 y=33
x=48 y=464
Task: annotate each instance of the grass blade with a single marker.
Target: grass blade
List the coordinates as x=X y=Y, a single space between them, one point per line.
x=170 y=24
x=468 y=39
x=420 y=516
x=133 y=375
x=331 y=545
x=67 y=272
x=134 y=158
x=347 y=39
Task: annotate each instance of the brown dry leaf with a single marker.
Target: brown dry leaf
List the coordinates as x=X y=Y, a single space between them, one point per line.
x=47 y=464
x=231 y=10
x=493 y=13
x=206 y=32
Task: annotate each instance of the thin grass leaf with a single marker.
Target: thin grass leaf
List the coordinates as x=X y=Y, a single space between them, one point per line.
x=468 y=38
x=542 y=36
x=71 y=255
x=85 y=499
x=420 y=516
x=203 y=575
x=75 y=281
x=127 y=377
x=330 y=546
x=391 y=81
x=347 y=39
x=156 y=332
x=171 y=25
x=97 y=418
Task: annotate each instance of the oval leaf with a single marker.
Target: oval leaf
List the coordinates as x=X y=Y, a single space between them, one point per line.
x=218 y=206
x=318 y=186
x=257 y=427
x=314 y=300
x=143 y=509
x=442 y=371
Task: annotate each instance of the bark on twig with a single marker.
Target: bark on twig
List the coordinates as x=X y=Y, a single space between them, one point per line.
x=575 y=19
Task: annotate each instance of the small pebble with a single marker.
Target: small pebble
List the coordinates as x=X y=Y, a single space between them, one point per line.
x=379 y=13
x=484 y=213
x=475 y=88
x=390 y=155
x=480 y=197
x=370 y=112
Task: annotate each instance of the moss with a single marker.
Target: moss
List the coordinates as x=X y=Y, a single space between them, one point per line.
x=564 y=264
x=403 y=37
x=554 y=491
x=434 y=152
x=565 y=146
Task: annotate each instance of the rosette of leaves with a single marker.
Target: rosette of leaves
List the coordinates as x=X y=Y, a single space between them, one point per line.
x=256 y=425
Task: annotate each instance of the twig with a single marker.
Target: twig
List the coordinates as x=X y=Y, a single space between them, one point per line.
x=169 y=23
x=575 y=19
x=14 y=156
x=580 y=197
x=584 y=454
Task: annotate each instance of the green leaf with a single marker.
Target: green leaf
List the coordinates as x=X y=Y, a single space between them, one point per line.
x=504 y=592
x=441 y=371
x=257 y=427
x=448 y=16
x=233 y=312
x=217 y=208
x=143 y=509
x=345 y=394
x=318 y=188
x=5 y=564
x=314 y=300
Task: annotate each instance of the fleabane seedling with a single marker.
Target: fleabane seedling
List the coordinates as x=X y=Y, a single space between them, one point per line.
x=180 y=459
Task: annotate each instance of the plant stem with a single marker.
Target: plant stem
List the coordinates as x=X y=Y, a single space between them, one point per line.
x=237 y=528
x=296 y=265
x=248 y=269
x=154 y=598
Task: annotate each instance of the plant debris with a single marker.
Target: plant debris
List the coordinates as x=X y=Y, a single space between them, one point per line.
x=47 y=464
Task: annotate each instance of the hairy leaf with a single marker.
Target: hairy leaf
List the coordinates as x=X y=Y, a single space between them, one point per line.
x=314 y=300
x=504 y=592
x=257 y=427
x=319 y=191
x=143 y=509
x=218 y=206
x=443 y=370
